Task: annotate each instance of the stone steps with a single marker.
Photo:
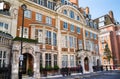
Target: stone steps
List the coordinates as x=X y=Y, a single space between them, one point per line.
x=27 y=77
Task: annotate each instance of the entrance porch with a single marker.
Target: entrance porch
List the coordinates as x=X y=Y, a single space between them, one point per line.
x=30 y=63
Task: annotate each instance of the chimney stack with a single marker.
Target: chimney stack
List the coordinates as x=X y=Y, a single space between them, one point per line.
x=111 y=15
x=87 y=10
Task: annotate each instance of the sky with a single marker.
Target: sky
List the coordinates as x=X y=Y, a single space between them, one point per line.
x=99 y=8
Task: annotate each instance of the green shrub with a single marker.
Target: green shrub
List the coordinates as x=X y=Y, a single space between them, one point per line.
x=56 y=67
x=30 y=72
x=25 y=40
x=48 y=68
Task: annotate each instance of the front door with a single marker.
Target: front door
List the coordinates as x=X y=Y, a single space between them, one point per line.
x=86 y=64
x=27 y=63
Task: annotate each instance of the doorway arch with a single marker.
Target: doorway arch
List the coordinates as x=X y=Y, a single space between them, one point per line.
x=28 y=62
x=86 y=64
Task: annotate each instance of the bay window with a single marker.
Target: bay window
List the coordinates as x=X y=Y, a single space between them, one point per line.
x=48 y=37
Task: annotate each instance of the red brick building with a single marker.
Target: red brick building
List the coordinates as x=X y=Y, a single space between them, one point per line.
x=109 y=34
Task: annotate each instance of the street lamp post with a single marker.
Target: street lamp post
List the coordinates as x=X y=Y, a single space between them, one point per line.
x=24 y=7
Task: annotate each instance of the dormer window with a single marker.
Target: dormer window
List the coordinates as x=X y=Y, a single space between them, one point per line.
x=91 y=24
x=95 y=25
x=87 y=22
x=89 y=16
x=101 y=19
x=62 y=1
x=4 y=8
x=50 y=5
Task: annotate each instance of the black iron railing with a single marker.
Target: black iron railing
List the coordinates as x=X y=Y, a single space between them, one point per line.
x=5 y=72
x=5 y=12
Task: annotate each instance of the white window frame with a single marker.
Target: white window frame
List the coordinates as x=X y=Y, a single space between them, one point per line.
x=48 y=37
x=65 y=25
x=2 y=58
x=80 y=45
x=27 y=13
x=101 y=19
x=64 y=41
x=25 y=32
x=48 y=60
x=72 y=62
x=39 y=17
x=64 y=60
x=54 y=39
x=4 y=27
x=48 y=20
x=71 y=41
x=78 y=30
x=72 y=28
x=50 y=5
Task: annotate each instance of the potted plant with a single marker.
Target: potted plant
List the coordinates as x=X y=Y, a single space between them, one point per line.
x=30 y=72
x=48 y=68
x=56 y=67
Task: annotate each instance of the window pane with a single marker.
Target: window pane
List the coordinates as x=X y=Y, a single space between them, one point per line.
x=86 y=33
x=48 y=20
x=65 y=25
x=27 y=13
x=55 y=59
x=38 y=17
x=64 y=61
x=71 y=14
x=78 y=18
x=48 y=37
x=72 y=60
x=72 y=28
x=54 y=39
x=4 y=55
x=0 y=54
x=78 y=30
x=65 y=12
x=0 y=62
x=6 y=26
x=40 y=59
x=48 y=59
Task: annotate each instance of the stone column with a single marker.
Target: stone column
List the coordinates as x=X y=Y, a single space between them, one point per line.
x=32 y=32
x=44 y=37
x=37 y=65
x=90 y=64
x=59 y=42
x=75 y=60
x=68 y=60
x=15 y=64
x=52 y=58
x=82 y=63
x=43 y=57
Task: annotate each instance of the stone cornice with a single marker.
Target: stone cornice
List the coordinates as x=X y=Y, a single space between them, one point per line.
x=37 y=6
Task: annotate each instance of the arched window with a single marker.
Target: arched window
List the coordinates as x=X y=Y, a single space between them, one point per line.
x=71 y=14
x=65 y=12
x=78 y=18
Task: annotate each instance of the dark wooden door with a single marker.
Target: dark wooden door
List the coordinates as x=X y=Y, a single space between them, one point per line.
x=86 y=64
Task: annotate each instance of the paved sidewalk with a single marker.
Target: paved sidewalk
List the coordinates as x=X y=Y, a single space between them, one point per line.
x=73 y=74
x=76 y=75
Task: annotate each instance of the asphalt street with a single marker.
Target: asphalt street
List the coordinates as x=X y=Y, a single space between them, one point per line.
x=97 y=75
